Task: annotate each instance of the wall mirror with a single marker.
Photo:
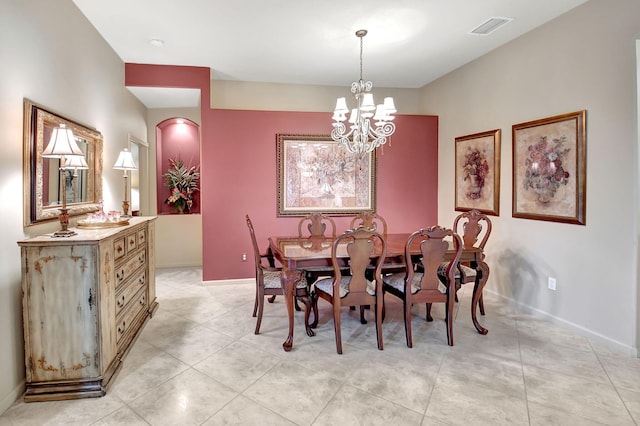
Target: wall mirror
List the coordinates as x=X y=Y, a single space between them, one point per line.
x=43 y=182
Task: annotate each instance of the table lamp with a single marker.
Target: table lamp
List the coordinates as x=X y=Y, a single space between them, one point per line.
x=62 y=145
x=75 y=162
x=125 y=162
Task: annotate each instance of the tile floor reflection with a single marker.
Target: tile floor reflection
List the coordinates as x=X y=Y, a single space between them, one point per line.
x=197 y=362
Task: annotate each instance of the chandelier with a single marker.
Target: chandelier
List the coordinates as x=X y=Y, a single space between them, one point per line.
x=369 y=125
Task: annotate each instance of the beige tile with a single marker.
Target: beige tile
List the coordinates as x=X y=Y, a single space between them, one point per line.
x=458 y=401
x=631 y=400
x=147 y=377
x=295 y=392
x=542 y=415
x=242 y=411
x=195 y=344
x=575 y=396
x=189 y=398
x=237 y=366
x=563 y=359
x=351 y=406
x=73 y=412
x=122 y=417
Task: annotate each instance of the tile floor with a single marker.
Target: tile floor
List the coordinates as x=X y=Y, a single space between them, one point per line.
x=198 y=362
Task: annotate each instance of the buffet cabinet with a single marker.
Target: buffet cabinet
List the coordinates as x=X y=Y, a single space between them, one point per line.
x=85 y=301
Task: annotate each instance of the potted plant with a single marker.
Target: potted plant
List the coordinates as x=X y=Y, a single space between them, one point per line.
x=182 y=181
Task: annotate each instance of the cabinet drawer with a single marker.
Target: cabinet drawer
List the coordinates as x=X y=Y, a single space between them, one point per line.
x=142 y=237
x=125 y=271
x=131 y=243
x=119 y=248
x=129 y=292
x=126 y=322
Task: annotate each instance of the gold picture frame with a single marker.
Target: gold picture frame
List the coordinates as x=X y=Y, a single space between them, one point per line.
x=477 y=184
x=549 y=169
x=316 y=174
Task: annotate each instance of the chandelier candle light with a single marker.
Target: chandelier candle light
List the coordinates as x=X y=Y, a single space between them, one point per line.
x=62 y=146
x=125 y=162
x=363 y=136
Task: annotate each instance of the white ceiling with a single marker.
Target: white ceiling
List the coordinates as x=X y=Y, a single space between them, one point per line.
x=410 y=42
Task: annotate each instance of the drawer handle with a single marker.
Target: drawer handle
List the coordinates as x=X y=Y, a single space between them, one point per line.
x=143 y=301
x=120 y=275
x=141 y=280
x=120 y=302
x=122 y=327
x=141 y=258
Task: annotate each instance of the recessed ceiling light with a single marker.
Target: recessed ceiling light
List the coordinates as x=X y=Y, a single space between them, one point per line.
x=157 y=42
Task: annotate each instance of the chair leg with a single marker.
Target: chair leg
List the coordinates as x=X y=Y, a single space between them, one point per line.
x=449 y=319
x=272 y=298
x=306 y=300
x=255 y=303
x=362 y=320
x=260 y=309
x=407 y=322
x=336 y=327
x=379 y=307
x=429 y=317
x=481 y=303
x=296 y=305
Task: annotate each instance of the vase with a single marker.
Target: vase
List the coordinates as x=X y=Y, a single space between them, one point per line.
x=474 y=188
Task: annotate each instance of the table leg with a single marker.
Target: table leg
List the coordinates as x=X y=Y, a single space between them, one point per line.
x=481 y=280
x=289 y=278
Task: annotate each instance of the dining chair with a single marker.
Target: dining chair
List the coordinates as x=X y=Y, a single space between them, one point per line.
x=354 y=288
x=470 y=226
x=369 y=220
x=427 y=279
x=268 y=281
x=316 y=225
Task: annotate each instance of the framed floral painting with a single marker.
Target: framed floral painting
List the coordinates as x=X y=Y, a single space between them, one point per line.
x=549 y=169
x=478 y=172
x=316 y=174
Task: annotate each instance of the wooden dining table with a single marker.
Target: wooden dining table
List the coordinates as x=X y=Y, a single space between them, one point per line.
x=300 y=255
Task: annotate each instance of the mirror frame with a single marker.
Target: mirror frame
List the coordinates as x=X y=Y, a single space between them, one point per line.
x=35 y=117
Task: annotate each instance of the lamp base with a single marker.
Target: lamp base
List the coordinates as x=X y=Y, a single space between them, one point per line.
x=63 y=233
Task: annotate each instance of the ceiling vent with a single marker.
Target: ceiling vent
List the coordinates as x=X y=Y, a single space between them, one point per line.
x=490 y=25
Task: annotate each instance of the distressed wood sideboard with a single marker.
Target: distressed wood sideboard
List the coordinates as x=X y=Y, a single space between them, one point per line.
x=85 y=301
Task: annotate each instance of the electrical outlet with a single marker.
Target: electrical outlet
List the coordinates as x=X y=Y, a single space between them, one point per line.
x=244 y=257
x=552 y=283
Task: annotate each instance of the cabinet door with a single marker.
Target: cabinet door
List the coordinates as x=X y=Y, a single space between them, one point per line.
x=61 y=313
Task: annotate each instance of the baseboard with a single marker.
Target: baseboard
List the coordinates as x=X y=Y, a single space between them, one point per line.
x=578 y=329
x=230 y=282
x=12 y=397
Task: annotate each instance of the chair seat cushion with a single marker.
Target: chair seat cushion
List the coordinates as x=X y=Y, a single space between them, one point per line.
x=463 y=273
x=326 y=285
x=397 y=281
x=272 y=280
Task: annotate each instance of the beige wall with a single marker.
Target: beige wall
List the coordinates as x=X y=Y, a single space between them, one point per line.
x=178 y=237
x=50 y=54
x=585 y=59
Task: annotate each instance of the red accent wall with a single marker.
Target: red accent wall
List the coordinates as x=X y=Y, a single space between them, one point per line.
x=238 y=166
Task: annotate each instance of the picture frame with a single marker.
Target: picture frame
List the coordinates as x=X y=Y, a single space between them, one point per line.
x=477 y=172
x=316 y=174
x=549 y=169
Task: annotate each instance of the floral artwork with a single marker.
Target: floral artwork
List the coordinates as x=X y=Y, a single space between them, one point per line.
x=477 y=172
x=316 y=174
x=182 y=182
x=549 y=164
x=544 y=171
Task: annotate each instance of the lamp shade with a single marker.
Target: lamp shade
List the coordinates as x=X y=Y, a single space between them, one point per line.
x=75 y=162
x=125 y=161
x=62 y=143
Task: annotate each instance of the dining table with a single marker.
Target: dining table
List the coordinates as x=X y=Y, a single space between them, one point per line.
x=304 y=255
